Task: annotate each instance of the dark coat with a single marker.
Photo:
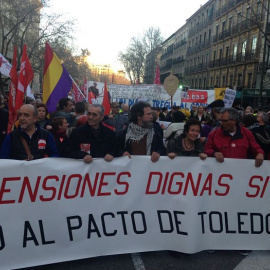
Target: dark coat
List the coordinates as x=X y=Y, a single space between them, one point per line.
x=84 y=141
x=156 y=146
x=41 y=145
x=175 y=146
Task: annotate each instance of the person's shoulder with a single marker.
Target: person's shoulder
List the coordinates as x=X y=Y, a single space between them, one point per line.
x=106 y=129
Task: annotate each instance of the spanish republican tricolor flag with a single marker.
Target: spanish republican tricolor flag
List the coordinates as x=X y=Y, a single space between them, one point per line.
x=56 y=80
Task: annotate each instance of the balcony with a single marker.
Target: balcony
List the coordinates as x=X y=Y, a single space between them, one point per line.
x=180 y=43
x=178 y=60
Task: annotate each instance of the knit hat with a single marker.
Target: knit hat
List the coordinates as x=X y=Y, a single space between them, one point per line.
x=216 y=104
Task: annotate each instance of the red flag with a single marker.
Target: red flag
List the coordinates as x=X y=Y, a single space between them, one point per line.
x=91 y=97
x=12 y=92
x=84 y=87
x=106 y=100
x=78 y=96
x=157 y=76
x=25 y=77
x=76 y=92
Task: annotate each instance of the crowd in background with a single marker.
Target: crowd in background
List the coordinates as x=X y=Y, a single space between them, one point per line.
x=182 y=132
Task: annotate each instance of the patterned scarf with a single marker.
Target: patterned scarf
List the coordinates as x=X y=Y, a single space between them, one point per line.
x=136 y=133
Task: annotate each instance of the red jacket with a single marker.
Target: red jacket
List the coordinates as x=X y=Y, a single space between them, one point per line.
x=240 y=145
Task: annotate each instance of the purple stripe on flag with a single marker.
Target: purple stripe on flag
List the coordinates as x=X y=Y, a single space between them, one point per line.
x=61 y=90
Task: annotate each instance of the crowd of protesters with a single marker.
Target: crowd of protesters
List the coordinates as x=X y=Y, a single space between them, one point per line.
x=82 y=131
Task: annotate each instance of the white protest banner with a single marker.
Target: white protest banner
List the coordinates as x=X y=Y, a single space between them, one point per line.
x=55 y=210
x=229 y=97
x=5 y=66
x=155 y=95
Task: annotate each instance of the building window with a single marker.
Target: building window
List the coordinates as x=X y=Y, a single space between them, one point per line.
x=223 y=26
x=230 y=23
x=231 y=81
x=254 y=45
x=223 y=81
x=234 y=51
x=248 y=13
x=249 y=80
x=220 y=53
x=259 y=6
x=215 y=55
x=244 y=46
x=217 y=81
x=240 y=77
x=227 y=52
x=211 y=82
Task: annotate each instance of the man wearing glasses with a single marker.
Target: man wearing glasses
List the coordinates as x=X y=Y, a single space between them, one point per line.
x=231 y=140
x=92 y=140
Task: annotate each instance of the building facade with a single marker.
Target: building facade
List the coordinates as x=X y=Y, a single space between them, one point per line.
x=223 y=44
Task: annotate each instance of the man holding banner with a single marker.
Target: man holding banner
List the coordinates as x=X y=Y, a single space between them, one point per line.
x=232 y=141
x=29 y=141
x=140 y=138
x=93 y=140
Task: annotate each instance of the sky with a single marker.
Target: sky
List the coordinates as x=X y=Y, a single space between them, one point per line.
x=106 y=27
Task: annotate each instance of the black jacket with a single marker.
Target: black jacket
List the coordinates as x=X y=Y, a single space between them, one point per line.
x=41 y=145
x=156 y=146
x=84 y=141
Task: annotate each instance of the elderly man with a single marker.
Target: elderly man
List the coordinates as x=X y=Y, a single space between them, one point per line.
x=29 y=141
x=231 y=140
x=140 y=138
x=93 y=140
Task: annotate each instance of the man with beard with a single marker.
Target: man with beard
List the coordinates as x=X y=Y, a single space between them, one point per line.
x=140 y=137
x=231 y=140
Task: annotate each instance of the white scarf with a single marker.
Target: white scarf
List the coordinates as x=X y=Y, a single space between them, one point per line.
x=136 y=133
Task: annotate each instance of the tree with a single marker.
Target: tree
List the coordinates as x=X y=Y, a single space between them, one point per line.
x=133 y=59
x=33 y=24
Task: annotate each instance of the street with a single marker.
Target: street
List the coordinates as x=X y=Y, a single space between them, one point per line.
x=165 y=260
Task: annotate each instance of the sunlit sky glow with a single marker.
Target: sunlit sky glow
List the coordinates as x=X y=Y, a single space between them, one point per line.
x=106 y=27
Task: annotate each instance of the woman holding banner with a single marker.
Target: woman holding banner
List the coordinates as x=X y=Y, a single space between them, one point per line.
x=188 y=143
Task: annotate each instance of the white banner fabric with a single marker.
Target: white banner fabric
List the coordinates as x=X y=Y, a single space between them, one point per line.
x=5 y=66
x=154 y=94
x=55 y=210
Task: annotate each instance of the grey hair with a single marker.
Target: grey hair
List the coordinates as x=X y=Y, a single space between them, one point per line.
x=265 y=117
x=96 y=105
x=233 y=113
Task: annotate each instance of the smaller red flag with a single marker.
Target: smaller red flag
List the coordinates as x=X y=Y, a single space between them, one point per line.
x=106 y=100
x=25 y=77
x=91 y=97
x=12 y=92
x=157 y=76
x=84 y=87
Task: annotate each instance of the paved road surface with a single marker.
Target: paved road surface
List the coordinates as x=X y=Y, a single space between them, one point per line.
x=164 y=260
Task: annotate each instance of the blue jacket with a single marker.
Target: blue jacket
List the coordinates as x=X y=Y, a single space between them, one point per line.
x=41 y=145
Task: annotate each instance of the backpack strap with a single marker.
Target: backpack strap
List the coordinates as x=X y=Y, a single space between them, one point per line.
x=27 y=150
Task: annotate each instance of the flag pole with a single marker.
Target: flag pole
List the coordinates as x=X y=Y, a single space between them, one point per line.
x=77 y=87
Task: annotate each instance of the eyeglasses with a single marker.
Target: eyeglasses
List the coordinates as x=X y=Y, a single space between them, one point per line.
x=116 y=107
